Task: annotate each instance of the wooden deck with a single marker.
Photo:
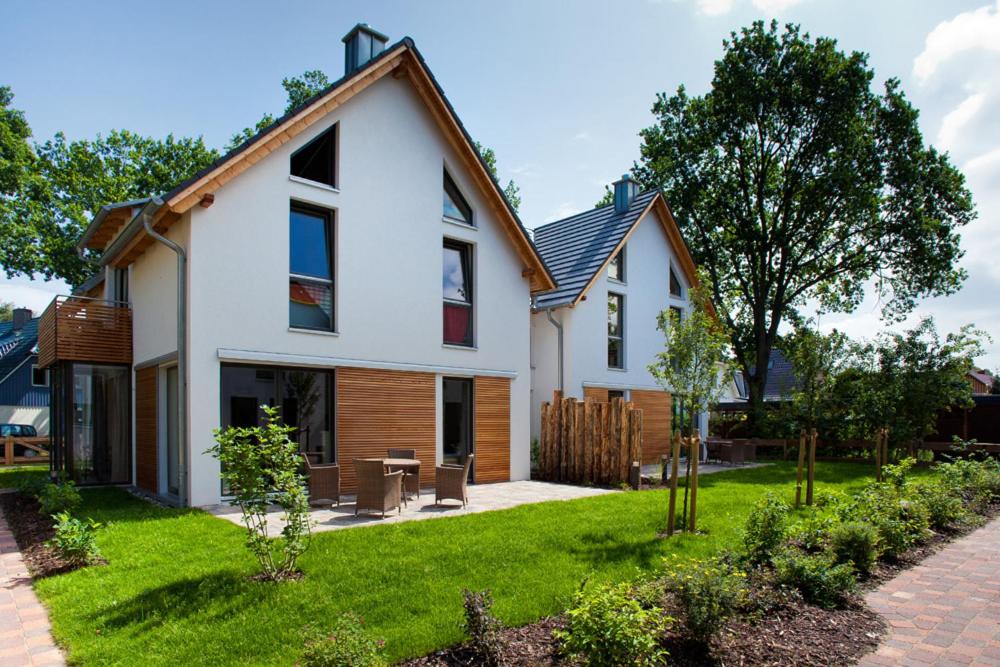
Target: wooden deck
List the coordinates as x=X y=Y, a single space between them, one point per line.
x=83 y=329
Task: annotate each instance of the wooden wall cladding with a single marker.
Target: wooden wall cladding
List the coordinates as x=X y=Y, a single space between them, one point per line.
x=492 y=429
x=656 y=409
x=595 y=394
x=379 y=409
x=146 y=458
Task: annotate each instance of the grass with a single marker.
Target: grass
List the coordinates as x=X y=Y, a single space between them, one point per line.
x=10 y=476
x=177 y=591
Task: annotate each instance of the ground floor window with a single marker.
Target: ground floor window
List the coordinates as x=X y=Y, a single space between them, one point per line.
x=304 y=396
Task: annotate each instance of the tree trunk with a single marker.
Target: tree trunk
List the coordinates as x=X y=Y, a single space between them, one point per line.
x=756 y=383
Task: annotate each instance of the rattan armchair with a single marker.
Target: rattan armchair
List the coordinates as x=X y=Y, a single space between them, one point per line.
x=378 y=490
x=324 y=483
x=451 y=482
x=731 y=452
x=411 y=477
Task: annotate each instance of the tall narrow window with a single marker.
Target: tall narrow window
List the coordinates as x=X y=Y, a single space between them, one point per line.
x=678 y=313
x=616 y=268
x=455 y=206
x=675 y=285
x=616 y=330
x=39 y=376
x=317 y=160
x=457 y=286
x=310 y=284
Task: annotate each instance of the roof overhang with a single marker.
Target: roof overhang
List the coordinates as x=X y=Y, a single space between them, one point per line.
x=400 y=60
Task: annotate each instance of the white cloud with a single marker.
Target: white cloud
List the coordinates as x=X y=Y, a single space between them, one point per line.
x=968 y=31
x=721 y=7
x=563 y=210
x=582 y=135
x=774 y=6
x=34 y=294
x=956 y=120
x=715 y=7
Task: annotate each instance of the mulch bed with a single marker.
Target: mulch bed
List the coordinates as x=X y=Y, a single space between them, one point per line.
x=31 y=532
x=527 y=646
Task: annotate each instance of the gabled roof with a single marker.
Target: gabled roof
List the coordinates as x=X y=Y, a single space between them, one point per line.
x=16 y=346
x=781 y=380
x=402 y=59
x=107 y=222
x=576 y=249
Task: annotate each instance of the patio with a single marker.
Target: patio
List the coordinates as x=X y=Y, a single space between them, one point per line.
x=482 y=498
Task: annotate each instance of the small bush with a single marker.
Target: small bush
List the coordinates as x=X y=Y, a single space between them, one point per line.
x=944 y=507
x=766 y=595
x=608 y=627
x=708 y=592
x=765 y=529
x=75 y=541
x=484 y=629
x=976 y=482
x=812 y=534
x=346 y=645
x=30 y=485
x=56 y=498
x=820 y=581
x=856 y=544
x=901 y=523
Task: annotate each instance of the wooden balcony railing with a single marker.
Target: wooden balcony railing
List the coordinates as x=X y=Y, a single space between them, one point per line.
x=76 y=328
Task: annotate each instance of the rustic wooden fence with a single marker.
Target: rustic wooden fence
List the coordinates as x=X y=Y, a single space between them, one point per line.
x=589 y=441
x=869 y=448
x=37 y=445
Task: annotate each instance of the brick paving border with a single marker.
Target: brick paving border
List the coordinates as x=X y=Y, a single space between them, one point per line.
x=946 y=610
x=25 y=633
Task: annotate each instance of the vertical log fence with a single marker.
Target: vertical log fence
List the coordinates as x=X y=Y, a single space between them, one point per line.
x=589 y=441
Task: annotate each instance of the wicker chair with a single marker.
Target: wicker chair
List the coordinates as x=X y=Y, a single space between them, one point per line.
x=324 y=483
x=378 y=490
x=451 y=482
x=731 y=453
x=411 y=477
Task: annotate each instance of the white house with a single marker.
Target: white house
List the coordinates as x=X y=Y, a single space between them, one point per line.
x=617 y=268
x=354 y=263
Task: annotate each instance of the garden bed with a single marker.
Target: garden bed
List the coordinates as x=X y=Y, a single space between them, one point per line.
x=31 y=531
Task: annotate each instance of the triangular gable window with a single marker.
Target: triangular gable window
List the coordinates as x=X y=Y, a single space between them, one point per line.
x=675 y=285
x=317 y=160
x=455 y=206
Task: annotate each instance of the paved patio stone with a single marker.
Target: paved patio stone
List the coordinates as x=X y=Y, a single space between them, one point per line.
x=945 y=611
x=25 y=633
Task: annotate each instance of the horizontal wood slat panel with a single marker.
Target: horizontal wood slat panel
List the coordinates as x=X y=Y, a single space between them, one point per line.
x=657 y=413
x=595 y=394
x=379 y=409
x=145 y=429
x=76 y=329
x=492 y=429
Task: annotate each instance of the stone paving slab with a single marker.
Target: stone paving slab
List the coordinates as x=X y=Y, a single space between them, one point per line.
x=945 y=611
x=25 y=633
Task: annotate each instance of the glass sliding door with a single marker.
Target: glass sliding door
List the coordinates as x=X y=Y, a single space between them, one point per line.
x=457 y=416
x=99 y=450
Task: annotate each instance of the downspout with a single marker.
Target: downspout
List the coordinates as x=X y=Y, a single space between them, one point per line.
x=182 y=383
x=559 y=357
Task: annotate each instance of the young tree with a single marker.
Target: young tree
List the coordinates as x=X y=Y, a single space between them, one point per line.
x=793 y=180
x=817 y=361
x=261 y=466
x=693 y=365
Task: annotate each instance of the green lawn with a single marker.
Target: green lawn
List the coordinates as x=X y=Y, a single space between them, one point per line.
x=9 y=476
x=176 y=591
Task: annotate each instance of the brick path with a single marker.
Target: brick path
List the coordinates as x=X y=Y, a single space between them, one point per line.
x=25 y=637
x=945 y=611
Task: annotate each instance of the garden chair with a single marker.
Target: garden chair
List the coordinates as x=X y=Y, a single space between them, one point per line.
x=731 y=453
x=378 y=490
x=324 y=483
x=411 y=477
x=451 y=482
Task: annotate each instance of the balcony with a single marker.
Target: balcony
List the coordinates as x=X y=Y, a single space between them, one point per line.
x=76 y=328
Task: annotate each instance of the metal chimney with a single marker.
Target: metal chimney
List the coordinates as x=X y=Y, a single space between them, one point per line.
x=625 y=191
x=362 y=44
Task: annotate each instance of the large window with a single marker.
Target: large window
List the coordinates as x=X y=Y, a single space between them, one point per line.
x=616 y=330
x=455 y=206
x=305 y=398
x=616 y=268
x=457 y=288
x=310 y=284
x=317 y=160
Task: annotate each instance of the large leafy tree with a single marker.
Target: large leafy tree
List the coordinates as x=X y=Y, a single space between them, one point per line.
x=298 y=89
x=795 y=182
x=511 y=191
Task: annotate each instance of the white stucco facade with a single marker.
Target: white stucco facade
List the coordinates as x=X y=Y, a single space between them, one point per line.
x=389 y=231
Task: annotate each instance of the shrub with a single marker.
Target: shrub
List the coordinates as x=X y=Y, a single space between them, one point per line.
x=260 y=465
x=943 y=506
x=812 y=534
x=815 y=576
x=608 y=627
x=346 y=645
x=766 y=595
x=708 y=592
x=30 y=485
x=900 y=523
x=56 y=498
x=765 y=529
x=75 y=541
x=484 y=629
x=856 y=544
x=896 y=474
x=976 y=482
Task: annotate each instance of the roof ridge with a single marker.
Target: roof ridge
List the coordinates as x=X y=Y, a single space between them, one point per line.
x=644 y=193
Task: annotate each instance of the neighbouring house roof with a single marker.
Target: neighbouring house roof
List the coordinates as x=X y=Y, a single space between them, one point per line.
x=16 y=346
x=781 y=378
x=983 y=376
x=401 y=59
x=576 y=249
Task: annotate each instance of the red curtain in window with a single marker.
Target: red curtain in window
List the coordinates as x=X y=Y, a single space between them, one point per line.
x=456 y=324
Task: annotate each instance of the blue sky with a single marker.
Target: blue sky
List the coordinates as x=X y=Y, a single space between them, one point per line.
x=558 y=89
